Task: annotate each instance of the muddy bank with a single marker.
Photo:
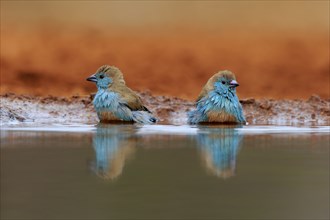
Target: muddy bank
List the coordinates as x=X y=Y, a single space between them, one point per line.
x=169 y=110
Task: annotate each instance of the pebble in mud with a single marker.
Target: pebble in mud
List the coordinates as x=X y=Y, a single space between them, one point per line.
x=313 y=116
x=314 y=98
x=247 y=101
x=265 y=105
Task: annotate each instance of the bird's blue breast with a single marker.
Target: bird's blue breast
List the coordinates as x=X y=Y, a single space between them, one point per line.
x=110 y=107
x=105 y=100
x=226 y=102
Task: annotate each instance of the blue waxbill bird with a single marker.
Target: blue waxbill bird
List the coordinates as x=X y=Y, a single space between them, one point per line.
x=114 y=101
x=218 y=102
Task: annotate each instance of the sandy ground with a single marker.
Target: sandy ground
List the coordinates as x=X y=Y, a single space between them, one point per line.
x=16 y=109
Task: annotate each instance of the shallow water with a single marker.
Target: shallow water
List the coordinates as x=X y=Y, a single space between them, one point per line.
x=164 y=172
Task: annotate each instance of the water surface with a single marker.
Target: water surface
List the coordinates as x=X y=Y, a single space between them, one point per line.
x=164 y=172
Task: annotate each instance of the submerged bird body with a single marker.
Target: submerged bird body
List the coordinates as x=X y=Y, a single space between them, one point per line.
x=114 y=101
x=218 y=101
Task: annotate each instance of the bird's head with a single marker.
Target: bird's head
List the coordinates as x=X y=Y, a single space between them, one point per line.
x=223 y=81
x=106 y=76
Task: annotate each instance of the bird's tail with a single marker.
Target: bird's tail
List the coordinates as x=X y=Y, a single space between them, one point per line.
x=143 y=117
x=194 y=117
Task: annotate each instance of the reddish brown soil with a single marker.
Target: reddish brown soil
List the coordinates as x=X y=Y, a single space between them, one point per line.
x=268 y=64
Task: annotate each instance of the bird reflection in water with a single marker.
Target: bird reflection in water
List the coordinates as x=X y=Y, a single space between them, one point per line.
x=219 y=148
x=113 y=145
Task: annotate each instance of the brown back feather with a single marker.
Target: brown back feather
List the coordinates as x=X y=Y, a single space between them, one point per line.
x=133 y=101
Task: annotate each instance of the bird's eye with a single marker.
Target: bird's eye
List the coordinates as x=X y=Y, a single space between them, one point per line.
x=223 y=82
x=101 y=76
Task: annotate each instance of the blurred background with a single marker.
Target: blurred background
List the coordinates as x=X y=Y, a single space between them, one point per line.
x=277 y=49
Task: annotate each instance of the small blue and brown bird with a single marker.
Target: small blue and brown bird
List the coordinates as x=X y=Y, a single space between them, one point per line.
x=114 y=101
x=218 y=101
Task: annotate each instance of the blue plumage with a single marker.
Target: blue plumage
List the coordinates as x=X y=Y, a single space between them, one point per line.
x=114 y=101
x=107 y=101
x=218 y=101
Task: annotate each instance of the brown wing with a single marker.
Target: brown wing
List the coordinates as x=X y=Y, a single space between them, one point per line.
x=133 y=101
x=208 y=87
x=202 y=94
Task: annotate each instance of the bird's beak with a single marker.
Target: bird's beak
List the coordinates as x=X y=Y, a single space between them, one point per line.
x=92 y=78
x=234 y=83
